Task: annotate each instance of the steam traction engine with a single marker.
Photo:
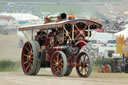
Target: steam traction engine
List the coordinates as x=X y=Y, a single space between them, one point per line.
x=59 y=45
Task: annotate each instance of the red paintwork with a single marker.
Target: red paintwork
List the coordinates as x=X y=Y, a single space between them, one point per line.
x=100 y=30
x=80 y=43
x=73 y=64
x=51 y=51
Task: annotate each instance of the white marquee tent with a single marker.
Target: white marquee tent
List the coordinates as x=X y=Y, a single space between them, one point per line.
x=21 y=16
x=103 y=37
x=123 y=32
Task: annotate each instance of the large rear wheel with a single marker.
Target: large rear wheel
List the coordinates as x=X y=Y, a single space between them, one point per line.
x=29 y=58
x=84 y=65
x=59 y=63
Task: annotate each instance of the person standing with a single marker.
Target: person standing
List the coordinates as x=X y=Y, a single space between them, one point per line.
x=21 y=37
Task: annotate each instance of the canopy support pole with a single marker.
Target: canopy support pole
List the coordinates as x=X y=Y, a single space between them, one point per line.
x=88 y=31
x=73 y=32
x=32 y=34
x=67 y=34
x=26 y=36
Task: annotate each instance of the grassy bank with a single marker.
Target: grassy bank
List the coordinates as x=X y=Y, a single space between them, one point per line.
x=9 y=66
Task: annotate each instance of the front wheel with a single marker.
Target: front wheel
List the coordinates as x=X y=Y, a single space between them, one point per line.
x=29 y=58
x=84 y=65
x=59 y=63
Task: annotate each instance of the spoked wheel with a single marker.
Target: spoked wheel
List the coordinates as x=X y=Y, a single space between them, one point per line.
x=29 y=61
x=107 y=68
x=84 y=65
x=59 y=63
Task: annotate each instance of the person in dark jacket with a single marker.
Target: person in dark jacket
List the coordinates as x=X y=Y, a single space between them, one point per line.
x=41 y=37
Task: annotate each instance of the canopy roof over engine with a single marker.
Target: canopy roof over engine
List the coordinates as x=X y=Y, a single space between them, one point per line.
x=55 y=25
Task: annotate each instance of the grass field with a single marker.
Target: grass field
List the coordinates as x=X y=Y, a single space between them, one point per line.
x=91 y=9
x=84 y=10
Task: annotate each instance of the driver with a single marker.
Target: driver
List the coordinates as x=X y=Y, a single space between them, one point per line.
x=41 y=36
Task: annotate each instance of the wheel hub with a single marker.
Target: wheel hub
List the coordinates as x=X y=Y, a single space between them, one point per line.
x=28 y=58
x=57 y=63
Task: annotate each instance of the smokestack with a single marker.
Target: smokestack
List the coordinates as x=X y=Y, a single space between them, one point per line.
x=60 y=17
x=63 y=16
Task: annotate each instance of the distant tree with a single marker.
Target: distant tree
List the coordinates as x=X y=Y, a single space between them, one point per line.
x=55 y=0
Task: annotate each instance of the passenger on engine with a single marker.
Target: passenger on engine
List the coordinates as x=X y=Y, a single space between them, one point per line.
x=50 y=41
x=59 y=37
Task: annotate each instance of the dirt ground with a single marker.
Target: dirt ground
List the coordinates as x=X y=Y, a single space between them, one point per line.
x=46 y=78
